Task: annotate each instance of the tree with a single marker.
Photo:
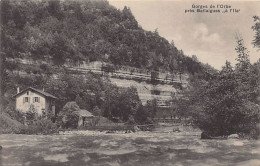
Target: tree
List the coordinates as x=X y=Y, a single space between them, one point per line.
x=142 y=116
x=58 y=88
x=31 y=114
x=194 y=58
x=97 y=111
x=19 y=18
x=3 y=81
x=243 y=55
x=70 y=115
x=256 y=28
x=255 y=81
x=218 y=104
x=60 y=49
x=120 y=104
x=6 y=12
x=130 y=22
x=129 y=103
x=86 y=90
x=55 y=8
x=152 y=108
x=243 y=72
x=225 y=103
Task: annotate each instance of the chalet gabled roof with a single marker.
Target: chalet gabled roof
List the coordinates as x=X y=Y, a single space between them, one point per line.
x=36 y=90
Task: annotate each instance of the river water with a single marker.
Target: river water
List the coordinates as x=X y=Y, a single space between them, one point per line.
x=140 y=148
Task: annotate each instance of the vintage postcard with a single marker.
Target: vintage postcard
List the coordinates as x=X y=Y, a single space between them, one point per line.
x=129 y=82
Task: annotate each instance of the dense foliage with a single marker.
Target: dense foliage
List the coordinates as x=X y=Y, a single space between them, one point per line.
x=256 y=28
x=91 y=92
x=70 y=115
x=85 y=30
x=12 y=121
x=41 y=126
x=60 y=31
x=228 y=102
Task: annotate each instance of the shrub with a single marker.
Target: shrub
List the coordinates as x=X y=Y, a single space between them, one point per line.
x=30 y=69
x=11 y=65
x=15 y=114
x=97 y=111
x=46 y=68
x=142 y=116
x=42 y=126
x=69 y=115
x=131 y=120
x=9 y=125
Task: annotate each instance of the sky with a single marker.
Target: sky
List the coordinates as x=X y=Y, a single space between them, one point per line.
x=209 y=36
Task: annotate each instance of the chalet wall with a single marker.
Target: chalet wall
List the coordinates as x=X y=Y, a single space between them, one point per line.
x=25 y=106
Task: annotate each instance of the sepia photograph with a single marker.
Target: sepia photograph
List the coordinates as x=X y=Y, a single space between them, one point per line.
x=129 y=83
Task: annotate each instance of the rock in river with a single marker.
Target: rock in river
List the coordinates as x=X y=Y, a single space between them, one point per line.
x=233 y=136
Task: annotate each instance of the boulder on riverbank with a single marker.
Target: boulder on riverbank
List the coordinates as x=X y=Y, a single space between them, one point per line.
x=233 y=136
x=207 y=135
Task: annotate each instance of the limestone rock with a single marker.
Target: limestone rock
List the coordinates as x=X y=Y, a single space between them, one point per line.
x=233 y=136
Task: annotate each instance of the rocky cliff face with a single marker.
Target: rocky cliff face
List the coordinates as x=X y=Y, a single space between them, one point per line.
x=159 y=85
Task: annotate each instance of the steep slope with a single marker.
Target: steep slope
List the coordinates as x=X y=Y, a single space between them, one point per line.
x=9 y=125
x=40 y=38
x=61 y=31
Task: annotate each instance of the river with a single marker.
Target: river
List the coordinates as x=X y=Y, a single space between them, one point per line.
x=140 y=148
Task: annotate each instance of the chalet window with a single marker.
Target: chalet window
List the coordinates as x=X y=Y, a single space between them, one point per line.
x=27 y=92
x=26 y=99
x=36 y=99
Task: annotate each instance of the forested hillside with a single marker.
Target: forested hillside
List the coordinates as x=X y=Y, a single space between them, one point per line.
x=86 y=30
x=218 y=102
x=55 y=32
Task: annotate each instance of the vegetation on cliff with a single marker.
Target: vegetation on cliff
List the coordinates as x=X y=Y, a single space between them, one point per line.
x=76 y=31
x=85 y=30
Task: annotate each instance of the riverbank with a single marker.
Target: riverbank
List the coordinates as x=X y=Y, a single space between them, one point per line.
x=125 y=134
